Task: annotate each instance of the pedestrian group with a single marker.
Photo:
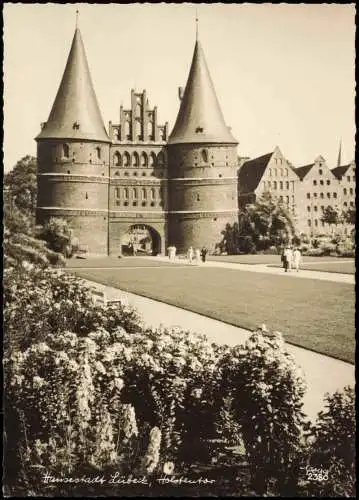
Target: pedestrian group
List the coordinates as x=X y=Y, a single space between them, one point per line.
x=193 y=256
x=291 y=258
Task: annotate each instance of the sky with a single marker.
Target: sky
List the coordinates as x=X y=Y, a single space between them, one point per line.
x=284 y=74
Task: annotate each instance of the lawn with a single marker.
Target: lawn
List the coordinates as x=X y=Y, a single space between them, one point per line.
x=315 y=314
x=275 y=259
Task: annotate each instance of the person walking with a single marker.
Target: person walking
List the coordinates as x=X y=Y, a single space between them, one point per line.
x=204 y=252
x=197 y=254
x=288 y=255
x=190 y=255
x=170 y=253
x=297 y=257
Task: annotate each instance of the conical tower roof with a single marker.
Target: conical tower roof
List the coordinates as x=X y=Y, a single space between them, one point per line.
x=200 y=119
x=75 y=113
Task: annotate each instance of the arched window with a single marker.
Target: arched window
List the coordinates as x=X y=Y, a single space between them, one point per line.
x=135 y=159
x=153 y=194
x=125 y=193
x=160 y=159
x=126 y=159
x=65 y=151
x=204 y=155
x=98 y=153
x=280 y=185
x=144 y=194
x=117 y=159
x=152 y=159
x=275 y=172
x=134 y=193
x=150 y=130
x=287 y=185
x=138 y=129
x=127 y=129
x=275 y=185
x=144 y=160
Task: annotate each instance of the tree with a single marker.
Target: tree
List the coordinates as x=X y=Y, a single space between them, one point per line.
x=330 y=216
x=260 y=225
x=21 y=182
x=349 y=216
x=58 y=236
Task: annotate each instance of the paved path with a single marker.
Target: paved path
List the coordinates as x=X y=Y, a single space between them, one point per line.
x=265 y=268
x=323 y=374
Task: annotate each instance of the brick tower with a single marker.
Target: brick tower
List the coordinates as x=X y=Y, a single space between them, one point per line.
x=73 y=156
x=202 y=162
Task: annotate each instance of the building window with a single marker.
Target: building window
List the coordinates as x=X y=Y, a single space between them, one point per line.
x=270 y=172
x=314 y=182
x=328 y=195
x=198 y=197
x=269 y=184
x=144 y=160
x=345 y=191
x=345 y=204
x=348 y=178
x=308 y=208
x=135 y=159
x=125 y=193
x=351 y=204
x=280 y=185
x=65 y=151
x=275 y=172
x=204 y=156
x=308 y=196
x=315 y=208
x=134 y=193
x=127 y=130
x=98 y=153
x=315 y=195
x=322 y=223
x=117 y=192
x=316 y=222
x=160 y=159
x=309 y=222
x=281 y=172
x=153 y=194
x=117 y=172
x=321 y=195
x=134 y=203
x=287 y=185
x=281 y=199
x=275 y=185
x=144 y=194
x=152 y=159
x=143 y=174
x=126 y=159
x=321 y=182
x=150 y=130
x=320 y=171
x=117 y=159
x=334 y=195
x=351 y=191
x=328 y=182
x=86 y=196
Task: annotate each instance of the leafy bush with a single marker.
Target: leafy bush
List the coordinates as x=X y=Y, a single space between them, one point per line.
x=41 y=301
x=314 y=252
x=333 y=449
x=266 y=388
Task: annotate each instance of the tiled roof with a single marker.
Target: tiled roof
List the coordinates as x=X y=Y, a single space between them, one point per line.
x=75 y=113
x=302 y=171
x=340 y=171
x=200 y=119
x=251 y=172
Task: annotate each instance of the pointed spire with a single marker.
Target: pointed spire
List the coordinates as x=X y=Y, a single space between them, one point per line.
x=77 y=18
x=196 y=25
x=339 y=161
x=75 y=113
x=200 y=119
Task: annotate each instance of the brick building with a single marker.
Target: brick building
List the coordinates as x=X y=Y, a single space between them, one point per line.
x=136 y=183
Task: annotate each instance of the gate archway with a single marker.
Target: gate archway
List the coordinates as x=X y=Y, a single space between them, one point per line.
x=141 y=239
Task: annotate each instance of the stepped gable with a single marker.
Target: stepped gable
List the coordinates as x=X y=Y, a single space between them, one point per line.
x=75 y=113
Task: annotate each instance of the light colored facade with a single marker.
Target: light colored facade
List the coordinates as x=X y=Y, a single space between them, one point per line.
x=347 y=188
x=318 y=188
x=271 y=173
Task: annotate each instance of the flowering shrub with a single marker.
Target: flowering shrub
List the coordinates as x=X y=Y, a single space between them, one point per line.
x=38 y=302
x=332 y=447
x=266 y=388
x=90 y=389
